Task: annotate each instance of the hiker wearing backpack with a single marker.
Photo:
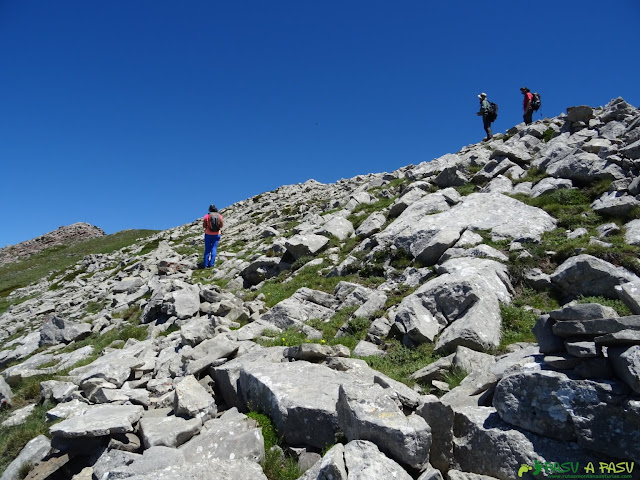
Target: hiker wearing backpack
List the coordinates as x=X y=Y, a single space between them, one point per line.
x=489 y=112
x=212 y=223
x=527 y=105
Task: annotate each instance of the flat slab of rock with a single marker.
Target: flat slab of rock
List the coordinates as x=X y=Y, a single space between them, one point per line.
x=232 y=436
x=169 y=431
x=99 y=420
x=34 y=451
x=596 y=327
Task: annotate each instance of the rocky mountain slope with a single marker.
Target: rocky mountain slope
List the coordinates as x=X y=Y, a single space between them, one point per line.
x=61 y=236
x=344 y=313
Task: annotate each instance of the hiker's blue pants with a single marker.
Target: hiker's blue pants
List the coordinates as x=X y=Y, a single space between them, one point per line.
x=210 y=249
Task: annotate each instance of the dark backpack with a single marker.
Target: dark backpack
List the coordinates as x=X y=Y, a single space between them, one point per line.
x=492 y=112
x=536 y=103
x=214 y=222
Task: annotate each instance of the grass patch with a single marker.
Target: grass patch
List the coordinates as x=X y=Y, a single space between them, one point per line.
x=400 y=362
x=517 y=323
x=454 y=377
x=533 y=175
x=275 y=465
x=617 y=305
x=13 y=439
x=466 y=189
x=58 y=259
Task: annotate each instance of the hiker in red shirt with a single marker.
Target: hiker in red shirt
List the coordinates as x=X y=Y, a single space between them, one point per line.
x=527 y=105
x=212 y=223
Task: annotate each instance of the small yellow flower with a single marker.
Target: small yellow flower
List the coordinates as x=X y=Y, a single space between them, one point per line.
x=323 y=341
x=283 y=339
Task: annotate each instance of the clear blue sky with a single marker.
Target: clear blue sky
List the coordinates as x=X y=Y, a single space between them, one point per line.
x=140 y=113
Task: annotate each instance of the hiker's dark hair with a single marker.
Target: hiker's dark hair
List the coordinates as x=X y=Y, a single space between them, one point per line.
x=212 y=208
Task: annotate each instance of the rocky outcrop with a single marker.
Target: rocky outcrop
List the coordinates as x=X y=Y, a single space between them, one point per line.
x=68 y=235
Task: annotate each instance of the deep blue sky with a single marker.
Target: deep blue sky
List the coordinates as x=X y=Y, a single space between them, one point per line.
x=140 y=113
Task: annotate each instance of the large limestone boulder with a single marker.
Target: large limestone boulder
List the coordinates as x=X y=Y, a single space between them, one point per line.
x=600 y=416
x=233 y=435
x=371 y=414
x=504 y=217
x=164 y=463
x=632 y=232
x=504 y=448
x=584 y=168
x=302 y=245
x=56 y=330
x=299 y=397
x=99 y=420
x=590 y=276
x=302 y=306
x=463 y=303
x=337 y=226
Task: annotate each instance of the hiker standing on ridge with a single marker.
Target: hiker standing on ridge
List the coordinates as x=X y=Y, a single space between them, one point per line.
x=212 y=223
x=487 y=117
x=527 y=105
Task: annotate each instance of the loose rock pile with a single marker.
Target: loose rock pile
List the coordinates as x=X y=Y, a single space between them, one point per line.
x=172 y=400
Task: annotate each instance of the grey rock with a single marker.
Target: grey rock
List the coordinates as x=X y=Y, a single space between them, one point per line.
x=192 y=400
x=19 y=416
x=337 y=226
x=305 y=245
x=314 y=352
x=183 y=303
x=548 y=341
x=99 y=420
x=514 y=153
x=623 y=337
x=582 y=349
x=427 y=246
x=626 y=364
x=164 y=463
x=582 y=113
x=412 y=197
x=302 y=306
x=112 y=459
x=552 y=404
x=505 y=449
x=364 y=461
x=561 y=361
x=607 y=230
x=590 y=276
x=596 y=327
x=629 y=293
x=367 y=349
x=583 y=311
x=300 y=398
x=6 y=396
x=56 y=330
x=632 y=232
x=373 y=224
x=262 y=269
x=469 y=360
x=168 y=431
x=450 y=177
x=615 y=204
x=114 y=367
x=631 y=151
x=34 y=451
x=371 y=414
x=549 y=185
x=585 y=168
x=537 y=279
x=197 y=330
x=332 y=466
x=504 y=217
x=232 y=436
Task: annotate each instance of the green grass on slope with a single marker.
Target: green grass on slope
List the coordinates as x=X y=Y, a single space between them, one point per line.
x=56 y=259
